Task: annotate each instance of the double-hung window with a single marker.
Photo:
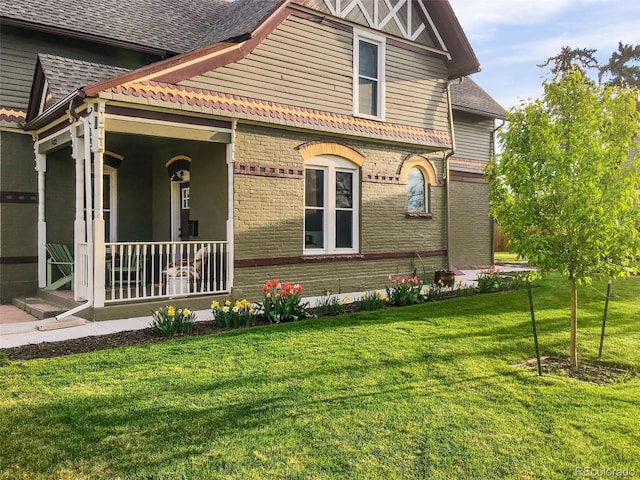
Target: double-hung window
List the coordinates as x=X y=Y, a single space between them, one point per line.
x=368 y=81
x=332 y=197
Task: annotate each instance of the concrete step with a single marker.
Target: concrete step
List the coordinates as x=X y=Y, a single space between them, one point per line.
x=39 y=307
x=64 y=298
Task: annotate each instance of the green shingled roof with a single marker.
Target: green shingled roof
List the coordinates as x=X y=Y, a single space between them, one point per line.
x=173 y=26
x=469 y=97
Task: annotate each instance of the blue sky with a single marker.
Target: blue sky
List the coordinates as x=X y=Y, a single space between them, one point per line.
x=510 y=37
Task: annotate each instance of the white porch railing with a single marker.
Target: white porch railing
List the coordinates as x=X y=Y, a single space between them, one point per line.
x=153 y=270
x=81 y=272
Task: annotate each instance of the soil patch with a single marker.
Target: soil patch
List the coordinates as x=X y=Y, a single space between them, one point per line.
x=115 y=340
x=101 y=342
x=592 y=373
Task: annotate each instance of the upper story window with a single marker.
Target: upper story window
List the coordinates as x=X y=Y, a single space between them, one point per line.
x=332 y=198
x=368 y=82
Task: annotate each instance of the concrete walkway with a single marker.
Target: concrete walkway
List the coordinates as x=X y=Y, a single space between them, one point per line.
x=21 y=329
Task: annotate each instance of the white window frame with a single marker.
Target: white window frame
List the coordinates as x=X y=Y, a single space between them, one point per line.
x=426 y=194
x=331 y=164
x=380 y=41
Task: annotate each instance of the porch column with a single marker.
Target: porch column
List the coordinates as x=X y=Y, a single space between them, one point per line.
x=230 y=150
x=41 y=168
x=79 y=224
x=98 y=148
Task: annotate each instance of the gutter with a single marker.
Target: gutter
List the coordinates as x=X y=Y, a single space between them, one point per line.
x=88 y=214
x=446 y=172
x=55 y=111
x=493 y=223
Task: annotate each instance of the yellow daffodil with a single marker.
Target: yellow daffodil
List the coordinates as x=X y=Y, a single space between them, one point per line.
x=171 y=311
x=227 y=303
x=215 y=304
x=252 y=311
x=186 y=312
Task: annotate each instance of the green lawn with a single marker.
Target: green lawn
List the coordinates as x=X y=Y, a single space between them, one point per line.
x=416 y=392
x=507 y=257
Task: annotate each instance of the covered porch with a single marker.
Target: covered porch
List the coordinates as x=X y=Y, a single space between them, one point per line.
x=143 y=199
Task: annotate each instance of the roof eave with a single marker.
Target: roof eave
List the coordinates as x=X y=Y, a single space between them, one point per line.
x=39 y=27
x=481 y=113
x=54 y=112
x=464 y=61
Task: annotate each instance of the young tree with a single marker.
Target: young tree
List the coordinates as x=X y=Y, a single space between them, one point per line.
x=565 y=189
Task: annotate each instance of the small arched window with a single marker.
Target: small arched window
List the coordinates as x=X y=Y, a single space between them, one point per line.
x=418 y=198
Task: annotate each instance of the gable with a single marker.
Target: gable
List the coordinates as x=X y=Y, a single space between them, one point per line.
x=428 y=23
x=401 y=18
x=55 y=78
x=308 y=64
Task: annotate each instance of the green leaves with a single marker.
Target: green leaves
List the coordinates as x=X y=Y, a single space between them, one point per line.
x=565 y=187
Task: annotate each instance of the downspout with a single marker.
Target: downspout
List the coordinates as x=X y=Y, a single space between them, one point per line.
x=492 y=245
x=447 y=183
x=88 y=213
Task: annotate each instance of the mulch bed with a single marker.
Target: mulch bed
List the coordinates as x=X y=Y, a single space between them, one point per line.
x=592 y=373
x=99 y=342
x=115 y=340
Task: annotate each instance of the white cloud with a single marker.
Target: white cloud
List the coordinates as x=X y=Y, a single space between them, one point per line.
x=477 y=16
x=484 y=20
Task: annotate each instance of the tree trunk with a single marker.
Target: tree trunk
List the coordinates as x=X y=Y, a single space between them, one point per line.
x=573 y=343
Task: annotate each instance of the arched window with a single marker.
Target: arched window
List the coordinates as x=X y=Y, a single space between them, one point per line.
x=417 y=199
x=419 y=174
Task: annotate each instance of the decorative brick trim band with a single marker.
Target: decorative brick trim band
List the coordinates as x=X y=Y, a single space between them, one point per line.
x=17 y=260
x=381 y=178
x=269 y=262
x=313 y=149
x=18 y=197
x=238 y=106
x=260 y=170
x=467 y=164
x=467 y=177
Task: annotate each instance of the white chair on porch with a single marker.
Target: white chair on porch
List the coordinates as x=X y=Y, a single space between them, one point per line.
x=185 y=272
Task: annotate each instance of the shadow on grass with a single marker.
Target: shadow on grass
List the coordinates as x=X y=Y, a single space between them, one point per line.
x=130 y=431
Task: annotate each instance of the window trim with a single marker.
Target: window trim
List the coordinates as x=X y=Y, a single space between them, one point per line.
x=426 y=197
x=430 y=176
x=331 y=164
x=380 y=41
